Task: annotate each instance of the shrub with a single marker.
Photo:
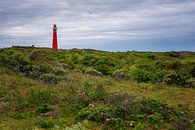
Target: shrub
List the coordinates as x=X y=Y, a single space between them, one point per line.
x=193 y=72
x=93 y=72
x=140 y=75
x=145 y=76
x=58 y=71
x=139 y=126
x=190 y=84
x=117 y=123
x=51 y=78
x=16 y=61
x=34 y=71
x=42 y=97
x=182 y=124
x=68 y=66
x=120 y=74
x=99 y=114
x=91 y=92
x=2 y=94
x=176 y=78
x=123 y=100
x=104 y=69
x=170 y=78
x=39 y=55
x=154 y=118
x=151 y=106
x=22 y=115
x=18 y=115
x=89 y=60
x=45 y=123
x=138 y=117
x=43 y=109
x=173 y=54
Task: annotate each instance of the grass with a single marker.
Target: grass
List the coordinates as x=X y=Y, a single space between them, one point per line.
x=173 y=95
x=28 y=102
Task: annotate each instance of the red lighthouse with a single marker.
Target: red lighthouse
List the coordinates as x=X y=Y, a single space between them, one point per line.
x=55 y=40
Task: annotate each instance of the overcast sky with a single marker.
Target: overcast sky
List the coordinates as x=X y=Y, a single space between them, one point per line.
x=113 y=25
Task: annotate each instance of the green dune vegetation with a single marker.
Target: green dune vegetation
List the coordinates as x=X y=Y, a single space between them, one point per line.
x=84 y=89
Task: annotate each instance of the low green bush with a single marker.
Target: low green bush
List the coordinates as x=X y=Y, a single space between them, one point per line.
x=176 y=78
x=145 y=76
x=124 y=101
x=43 y=109
x=155 y=118
x=93 y=72
x=22 y=115
x=58 y=71
x=51 y=78
x=42 y=97
x=120 y=74
x=18 y=115
x=99 y=114
x=139 y=126
x=40 y=56
x=45 y=123
x=193 y=72
x=190 y=83
x=138 y=117
x=104 y=69
x=117 y=123
x=93 y=92
x=2 y=94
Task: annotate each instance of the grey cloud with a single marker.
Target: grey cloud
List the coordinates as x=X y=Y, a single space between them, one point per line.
x=96 y=19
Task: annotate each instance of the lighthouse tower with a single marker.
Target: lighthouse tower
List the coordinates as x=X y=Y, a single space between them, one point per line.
x=55 y=40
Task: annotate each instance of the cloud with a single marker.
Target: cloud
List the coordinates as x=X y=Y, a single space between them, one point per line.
x=96 y=20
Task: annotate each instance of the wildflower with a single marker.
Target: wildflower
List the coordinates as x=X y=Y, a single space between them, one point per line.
x=92 y=105
x=107 y=119
x=132 y=123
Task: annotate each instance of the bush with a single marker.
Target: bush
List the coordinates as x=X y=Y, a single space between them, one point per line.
x=93 y=72
x=43 y=109
x=2 y=94
x=99 y=114
x=68 y=66
x=121 y=100
x=173 y=54
x=104 y=69
x=18 y=115
x=141 y=75
x=155 y=118
x=45 y=123
x=190 y=84
x=175 y=78
x=22 y=115
x=193 y=72
x=151 y=106
x=139 y=126
x=182 y=124
x=170 y=78
x=117 y=123
x=120 y=74
x=42 y=97
x=89 y=60
x=58 y=71
x=91 y=92
x=51 y=78
x=40 y=56
x=138 y=117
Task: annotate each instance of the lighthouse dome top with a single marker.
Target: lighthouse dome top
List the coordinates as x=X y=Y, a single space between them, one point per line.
x=54 y=27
